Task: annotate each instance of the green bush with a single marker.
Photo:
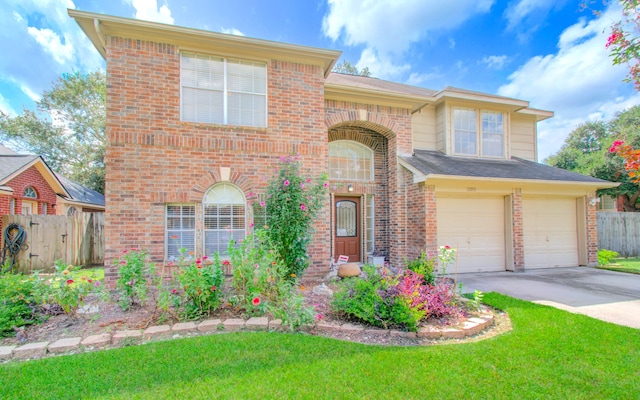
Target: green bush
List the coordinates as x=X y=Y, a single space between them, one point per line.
x=424 y=266
x=19 y=302
x=134 y=278
x=200 y=284
x=605 y=256
x=292 y=203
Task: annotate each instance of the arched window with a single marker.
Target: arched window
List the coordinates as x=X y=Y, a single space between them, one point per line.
x=30 y=192
x=71 y=211
x=224 y=218
x=350 y=161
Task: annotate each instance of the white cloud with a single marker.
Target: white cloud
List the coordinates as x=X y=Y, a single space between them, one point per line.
x=380 y=67
x=32 y=95
x=526 y=16
x=52 y=44
x=5 y=106
x=423 y=79
x=495 y=62
x=387 y=28
x=148 y=10
x=232 y=31
x=576 y=82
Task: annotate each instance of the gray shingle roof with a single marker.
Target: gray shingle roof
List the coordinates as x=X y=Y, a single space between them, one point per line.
x=12 y=163
x=81 y=193
x=431 y=162
x=377 y=84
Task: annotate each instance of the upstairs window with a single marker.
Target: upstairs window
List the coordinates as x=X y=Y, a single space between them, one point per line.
x=223 y=91
x=478 y=133
x=350 y=161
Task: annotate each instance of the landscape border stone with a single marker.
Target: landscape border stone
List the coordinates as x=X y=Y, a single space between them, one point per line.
x=470 y=327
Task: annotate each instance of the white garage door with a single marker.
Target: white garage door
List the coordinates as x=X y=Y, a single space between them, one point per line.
x=475 y=226
x=550 y=232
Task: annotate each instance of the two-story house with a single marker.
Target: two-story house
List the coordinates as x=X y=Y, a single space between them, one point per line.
x=196 y=121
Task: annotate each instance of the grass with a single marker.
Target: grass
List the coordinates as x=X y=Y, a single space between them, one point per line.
x=549 y=354
x=630 y=265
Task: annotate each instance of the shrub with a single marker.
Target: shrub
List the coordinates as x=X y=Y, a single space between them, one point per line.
x=424 y=266
x=18 y=302
x=605 y=256
x=68 y=289
x=388 y=300
x=134 y=277
x=261 y=283
x=292 y=203
x=200 y=284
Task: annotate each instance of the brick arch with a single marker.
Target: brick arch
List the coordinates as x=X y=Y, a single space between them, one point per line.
x=364 y=136
x=379 y=123
x=210 y=178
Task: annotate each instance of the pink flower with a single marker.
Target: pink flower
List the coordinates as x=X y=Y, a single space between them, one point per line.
x=174 y=291
x=319 y=317
x=613 y=38
x=303 y=207
x=205 y=258
x=615 y=146
x=286 y=182
x=308 y=180
x=257 y=265
x=198 y=261
x=447 y=247
x=250 y=194
x=124 y=251
x=301 y=185
x=326 y=185
x=96 y=283
x=256 y=301
x=262 y=203
x=226 y=262
x=213 y=288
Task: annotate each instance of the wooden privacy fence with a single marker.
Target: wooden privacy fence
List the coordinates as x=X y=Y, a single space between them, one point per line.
x=77 y=240
x=619 y=231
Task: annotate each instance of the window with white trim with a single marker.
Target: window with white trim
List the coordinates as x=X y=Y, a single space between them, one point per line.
x=30 y=192
x=350 y=161
x=224 y=218
x=218 y=90
x=478 y=132
x=181 y=230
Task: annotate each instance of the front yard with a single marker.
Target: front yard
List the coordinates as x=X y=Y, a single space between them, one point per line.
x=630 y=265
x=549 y=354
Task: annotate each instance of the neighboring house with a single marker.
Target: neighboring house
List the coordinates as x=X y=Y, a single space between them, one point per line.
x=196 y=121
x=29 y=186
x=81 y=198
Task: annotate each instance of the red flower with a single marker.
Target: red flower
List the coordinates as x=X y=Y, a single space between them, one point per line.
x=615 y=146
x=90 y=281
x=174 y=291
x=447 y=247
x=213 y=288
x=69 y=282
x=256 y=301
x=226 y=262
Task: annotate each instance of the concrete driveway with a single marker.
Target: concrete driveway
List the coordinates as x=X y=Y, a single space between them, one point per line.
x=606 y=295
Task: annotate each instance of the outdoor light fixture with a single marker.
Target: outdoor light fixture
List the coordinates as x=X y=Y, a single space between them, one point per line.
x=350 y=188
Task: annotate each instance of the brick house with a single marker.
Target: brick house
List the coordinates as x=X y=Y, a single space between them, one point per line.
x=196 y=121
x=29 y=186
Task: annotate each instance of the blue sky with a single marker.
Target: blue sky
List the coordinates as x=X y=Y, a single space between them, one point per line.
x=545 y=51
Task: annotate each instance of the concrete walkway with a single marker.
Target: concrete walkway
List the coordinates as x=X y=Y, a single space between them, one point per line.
x=606 y=295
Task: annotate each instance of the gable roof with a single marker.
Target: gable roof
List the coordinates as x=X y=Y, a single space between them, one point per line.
x=80 y=193
x=12 y=165
x=430 y=163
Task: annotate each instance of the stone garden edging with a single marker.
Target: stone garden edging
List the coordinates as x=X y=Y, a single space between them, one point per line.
x=470 y=327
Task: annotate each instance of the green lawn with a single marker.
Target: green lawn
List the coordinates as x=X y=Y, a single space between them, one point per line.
x=549 y=354
x=631 y=265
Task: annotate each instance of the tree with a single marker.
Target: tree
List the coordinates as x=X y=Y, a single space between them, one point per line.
x=347 y=68
x=623 y=42
x=586 y=151
x=68 y=129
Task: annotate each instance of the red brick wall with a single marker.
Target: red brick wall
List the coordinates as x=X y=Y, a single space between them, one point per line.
x=153 y=158
x=517 y=221
x=32 y=177
x=592 y=232
x=395 y=125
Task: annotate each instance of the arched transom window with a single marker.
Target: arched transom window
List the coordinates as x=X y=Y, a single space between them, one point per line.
x=350 y=161
x=30 y=192
x=224 y=218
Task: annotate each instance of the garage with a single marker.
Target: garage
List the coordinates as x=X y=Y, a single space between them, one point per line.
x=550 y=232
x=475 y=226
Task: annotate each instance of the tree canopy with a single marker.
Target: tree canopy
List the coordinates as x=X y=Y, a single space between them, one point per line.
x=68 y=128
x=586 y=151
x=347 y=68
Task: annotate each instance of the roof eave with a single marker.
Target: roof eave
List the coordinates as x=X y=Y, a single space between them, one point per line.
x=97 y=26
x=433 y=178
x=335 y=91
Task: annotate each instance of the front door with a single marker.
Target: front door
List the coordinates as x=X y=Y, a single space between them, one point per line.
x=347 y=228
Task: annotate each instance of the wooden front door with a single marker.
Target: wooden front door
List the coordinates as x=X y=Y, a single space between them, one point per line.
x=347 y=228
